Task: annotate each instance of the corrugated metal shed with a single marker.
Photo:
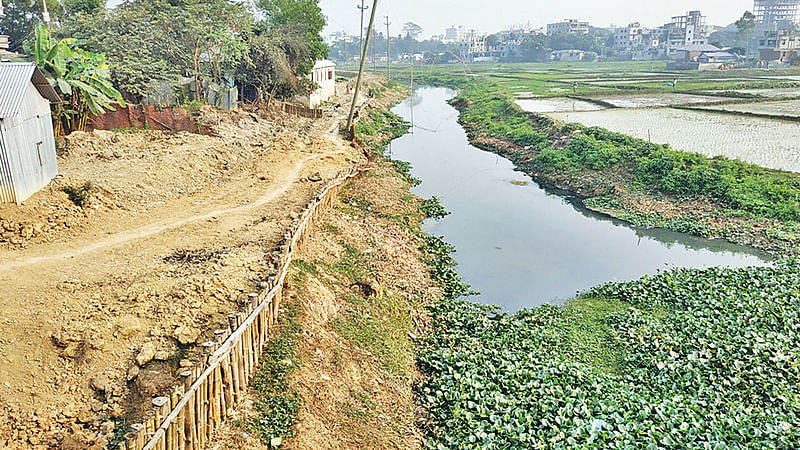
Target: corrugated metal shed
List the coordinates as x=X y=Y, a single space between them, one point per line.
x=27 y=145
x=14 y=78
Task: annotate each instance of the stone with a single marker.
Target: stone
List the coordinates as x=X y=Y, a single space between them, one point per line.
x=161 y=355
x=146 y=354
x=128 y=326
x=133 y=372
x=186 y=335
x=316 y=178
x=101 y=383
x=185 y=363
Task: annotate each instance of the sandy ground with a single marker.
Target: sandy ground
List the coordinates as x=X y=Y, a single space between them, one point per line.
x=100 y=304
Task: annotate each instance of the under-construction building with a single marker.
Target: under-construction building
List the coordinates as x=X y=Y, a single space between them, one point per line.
x=776 y=15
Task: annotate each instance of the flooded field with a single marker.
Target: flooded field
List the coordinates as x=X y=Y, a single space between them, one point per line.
x=787 y=108
x=657 y=100
x=556 y=105
x=775 y=93
x=764 y=142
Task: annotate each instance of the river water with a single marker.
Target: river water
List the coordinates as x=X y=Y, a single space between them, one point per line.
x=518 y=244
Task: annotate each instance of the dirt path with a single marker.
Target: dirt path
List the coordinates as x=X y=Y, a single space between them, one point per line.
x=151 y=263
x=287 y=179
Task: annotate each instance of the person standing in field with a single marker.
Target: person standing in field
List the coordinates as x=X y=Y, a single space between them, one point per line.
x=575 y=87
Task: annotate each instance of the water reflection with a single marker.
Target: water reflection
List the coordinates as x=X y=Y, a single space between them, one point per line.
x=519 y=244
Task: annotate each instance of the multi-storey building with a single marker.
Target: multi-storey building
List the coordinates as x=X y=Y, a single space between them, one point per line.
x=687 y=30
x=568 y=26
x=460 y=34
x=776 y=15
x=640 y=42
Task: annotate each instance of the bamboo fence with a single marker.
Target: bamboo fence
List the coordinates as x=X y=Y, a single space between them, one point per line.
x=187 y=418
x=297 y=110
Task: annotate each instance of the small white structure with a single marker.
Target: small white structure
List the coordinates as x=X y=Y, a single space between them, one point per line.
x=27 y=144
x=323 y=74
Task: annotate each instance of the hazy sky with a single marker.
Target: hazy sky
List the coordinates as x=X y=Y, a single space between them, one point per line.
x=492 y=15
x=488 y=16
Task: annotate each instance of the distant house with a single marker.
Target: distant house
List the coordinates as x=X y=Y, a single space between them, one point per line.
x=27 y=144
x=700 y=57
x=324 y=75
x=717 y=57
x=567 y=55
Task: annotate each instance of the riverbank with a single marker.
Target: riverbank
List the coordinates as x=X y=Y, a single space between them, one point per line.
x=646 y=184
x=341 y=370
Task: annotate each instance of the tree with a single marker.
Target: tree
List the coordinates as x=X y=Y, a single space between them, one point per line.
x=80 y=77
x=83 y=6
x=271 y=65
x=156 y=42
x=215 y=32
x=22 y=18
x=412 y=30
x=305 y=15
x=746 y=24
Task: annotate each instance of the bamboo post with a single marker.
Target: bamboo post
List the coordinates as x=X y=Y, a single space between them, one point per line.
x=187 y=413
x=158 y=404
x=138 y=430
x=177 y=426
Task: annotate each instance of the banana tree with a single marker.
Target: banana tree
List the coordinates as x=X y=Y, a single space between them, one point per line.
x=81 y=78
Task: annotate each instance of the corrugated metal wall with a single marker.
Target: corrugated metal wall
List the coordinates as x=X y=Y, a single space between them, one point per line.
x=6 y=182
x=30 y=146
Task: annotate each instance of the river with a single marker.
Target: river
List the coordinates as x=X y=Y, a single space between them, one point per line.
x=518 y=244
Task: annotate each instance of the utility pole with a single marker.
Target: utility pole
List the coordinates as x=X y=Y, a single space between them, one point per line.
x=363 y=8
x=388 y=48
x=361 y=68
x=45 y=14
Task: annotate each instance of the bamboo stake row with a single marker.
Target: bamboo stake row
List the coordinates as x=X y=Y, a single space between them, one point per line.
x=188 y=417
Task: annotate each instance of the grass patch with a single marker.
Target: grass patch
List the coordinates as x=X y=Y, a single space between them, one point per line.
x=380 y=326
x=277 y=403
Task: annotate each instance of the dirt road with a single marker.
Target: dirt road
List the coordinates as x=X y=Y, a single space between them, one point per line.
x=101 y=304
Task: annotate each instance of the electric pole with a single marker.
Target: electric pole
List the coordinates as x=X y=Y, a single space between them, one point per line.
x=45 y=14
x=361 y=68
x=363 y=8
x=388 y=53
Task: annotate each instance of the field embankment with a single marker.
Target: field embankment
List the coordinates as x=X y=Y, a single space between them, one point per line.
x=637 y=181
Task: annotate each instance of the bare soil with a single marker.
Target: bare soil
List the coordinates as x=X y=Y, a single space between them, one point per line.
x=101 y=303
x=357 y=393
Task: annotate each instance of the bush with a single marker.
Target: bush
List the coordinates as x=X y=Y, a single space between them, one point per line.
x=80 y=195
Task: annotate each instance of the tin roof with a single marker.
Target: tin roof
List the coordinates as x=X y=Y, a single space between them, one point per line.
x=322 y=63
x=14 y=78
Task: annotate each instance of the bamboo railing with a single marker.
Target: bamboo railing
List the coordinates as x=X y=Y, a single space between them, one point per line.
x=208 y=393
x=297 y=110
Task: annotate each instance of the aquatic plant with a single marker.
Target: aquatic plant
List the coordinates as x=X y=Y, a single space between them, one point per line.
x=685 y=359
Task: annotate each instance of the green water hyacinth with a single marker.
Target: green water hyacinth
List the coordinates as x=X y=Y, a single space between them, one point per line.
x=703 y=359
